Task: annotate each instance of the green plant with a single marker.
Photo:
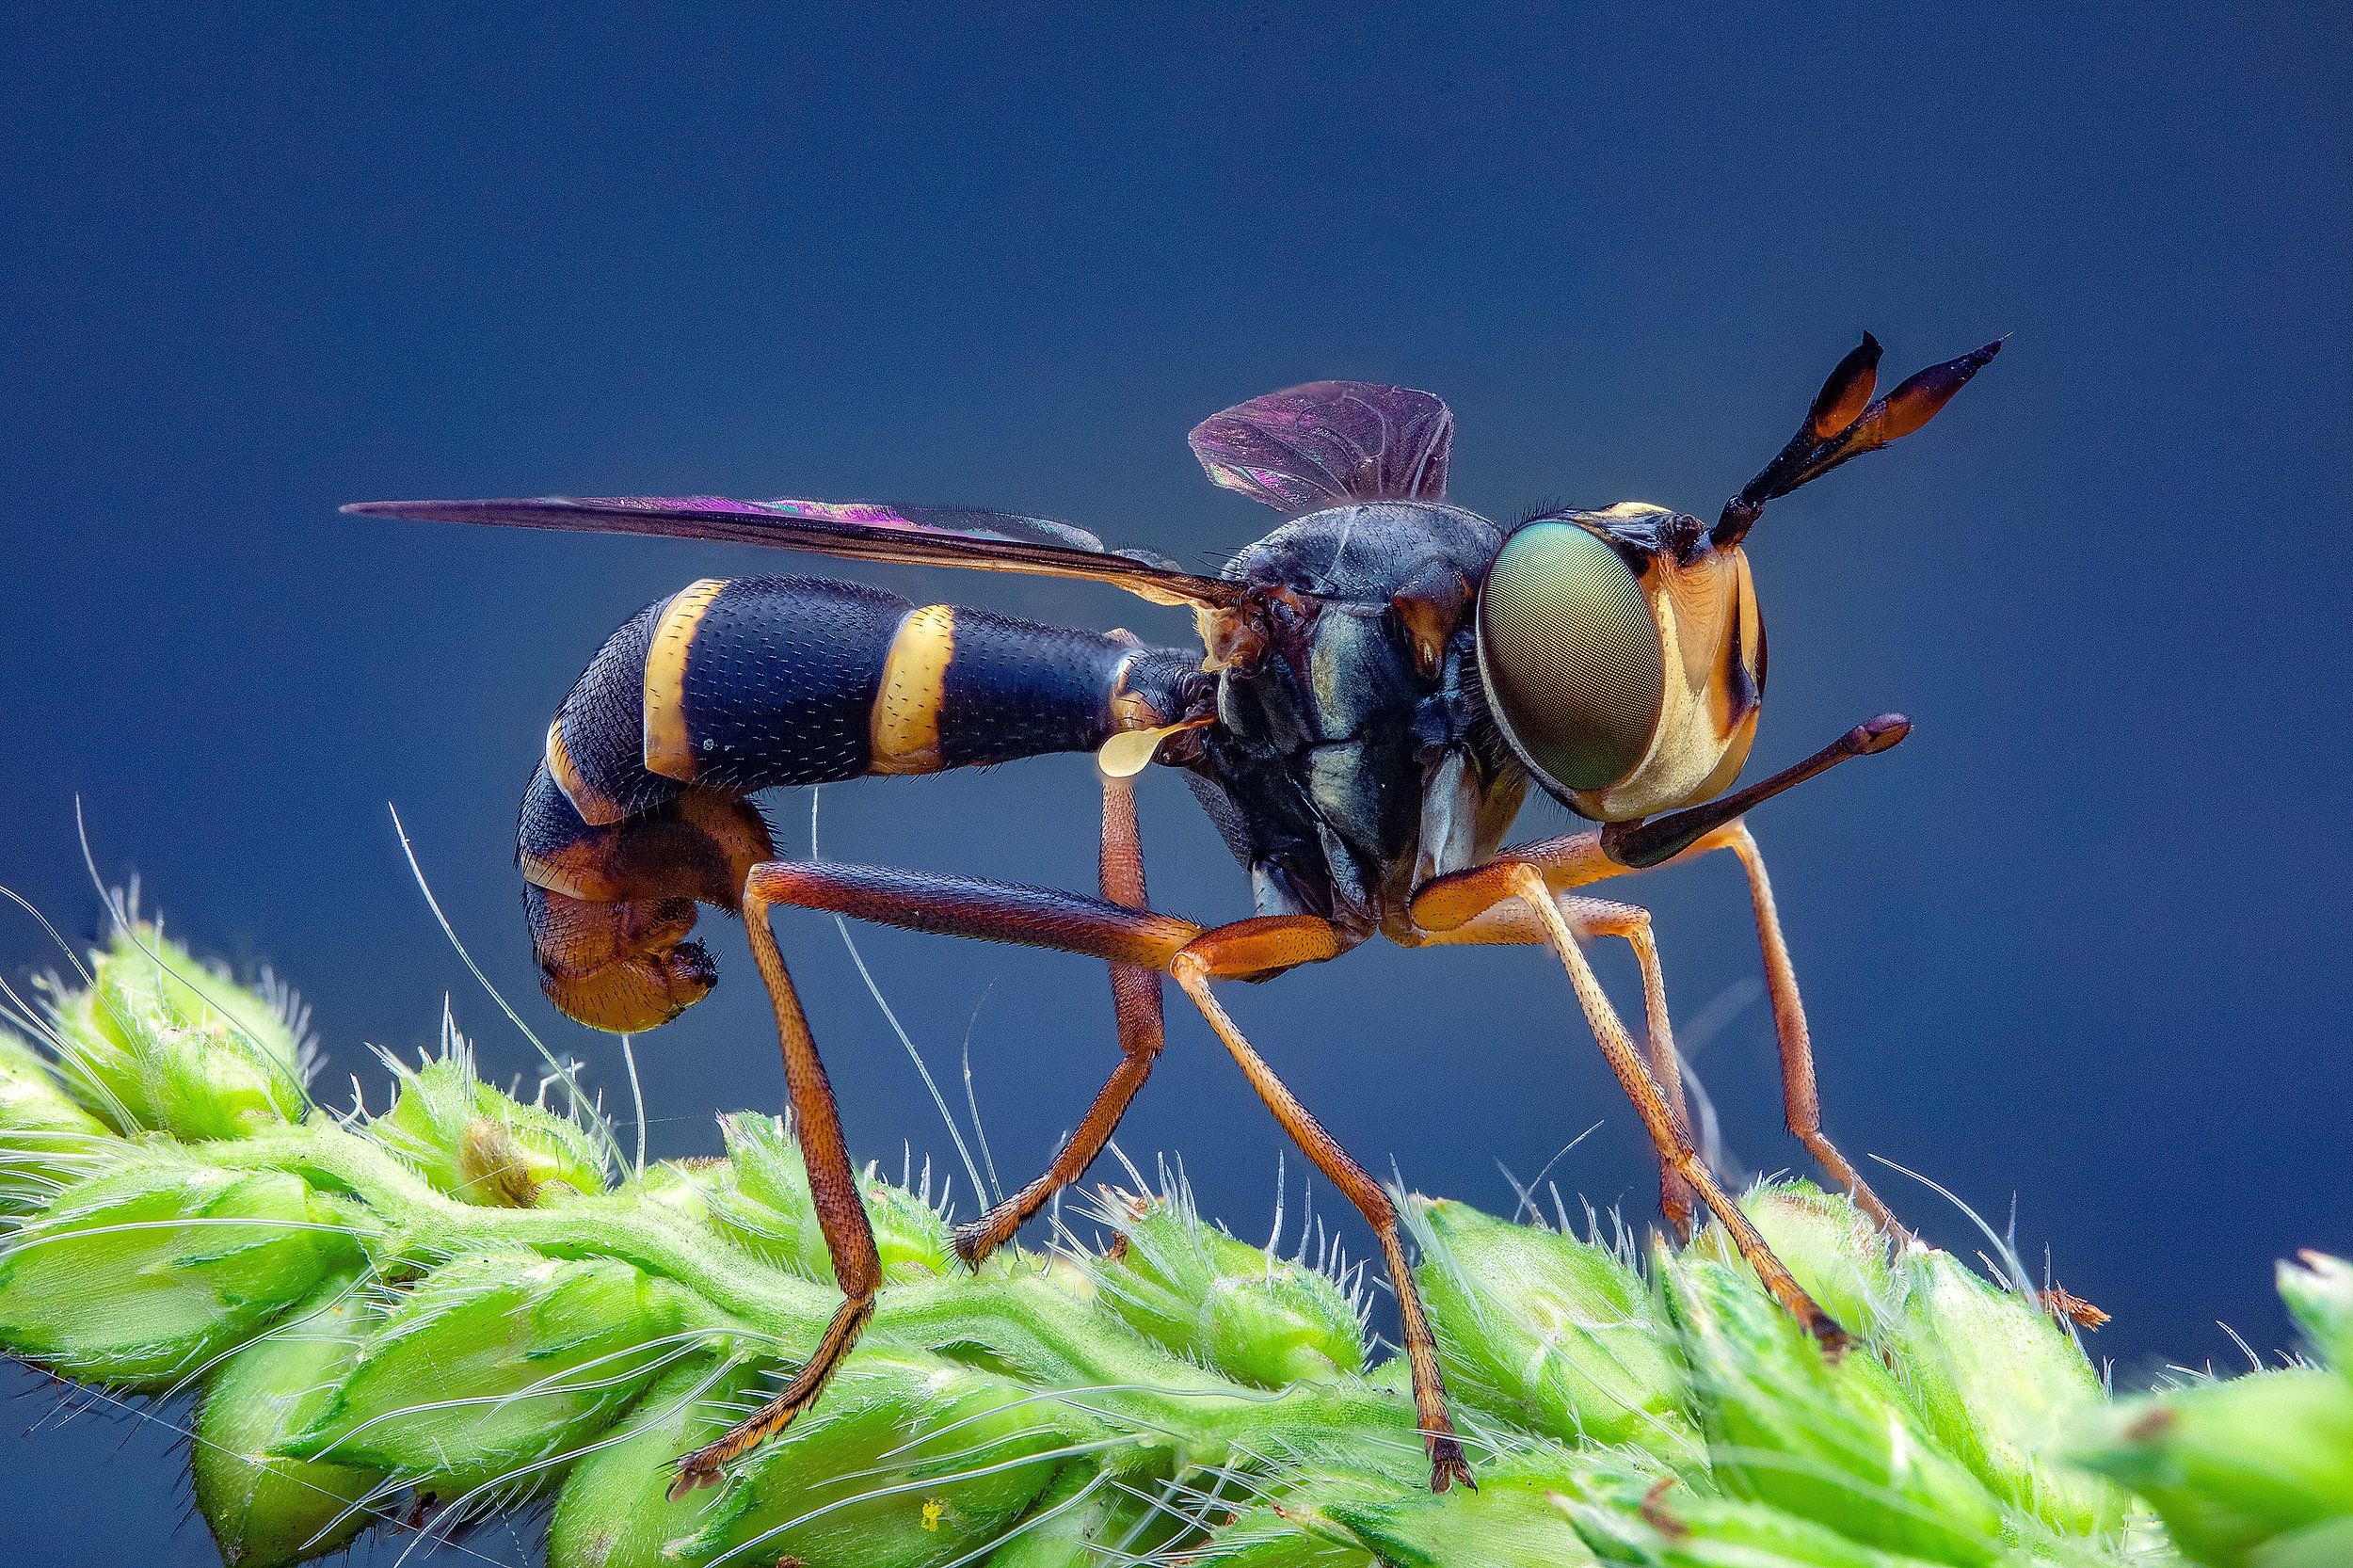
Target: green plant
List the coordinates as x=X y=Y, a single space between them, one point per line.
x=453 y=1308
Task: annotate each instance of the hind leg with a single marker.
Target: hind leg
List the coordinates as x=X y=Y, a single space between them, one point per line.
x=833 y=1189
x=1064 y=922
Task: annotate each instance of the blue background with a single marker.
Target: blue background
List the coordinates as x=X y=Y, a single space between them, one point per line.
x=2080 y=944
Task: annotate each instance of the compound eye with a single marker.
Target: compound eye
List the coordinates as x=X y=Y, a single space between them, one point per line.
x=1571 y=656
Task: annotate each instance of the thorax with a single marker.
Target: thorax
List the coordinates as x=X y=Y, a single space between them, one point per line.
x=1341 y=770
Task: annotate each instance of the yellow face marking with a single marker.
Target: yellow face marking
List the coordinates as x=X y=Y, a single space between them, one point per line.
x=1700 y=743
x=669 y=750
x=594 y=808
x=903 y=729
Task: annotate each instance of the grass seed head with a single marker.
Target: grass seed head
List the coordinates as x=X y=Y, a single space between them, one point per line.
x=495 y=1363
x=2238 y=1467
x=46 y=1140
x=760 y=1200
x=908 y=1460
x=1560 y=1336
x=1997 y=1379
x=158 y=1043
x=141 y=1271
x=1180 y=1399
x=481 y=1145
x=1836 y=1250
x=2318 y=1289
x=267 y=1510
x=1204 y=1294
x=1831 y=1441
x=1661 y=1522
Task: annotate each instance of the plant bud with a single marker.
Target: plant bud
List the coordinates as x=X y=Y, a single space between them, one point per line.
x=1663 y=1522
x=2319 y=1292
x=1080 y=1523
x=681 y=1187
x=2233 y=1465
x=267 y=1511
x=1998 y=1379
x=1833 y=1442
x=1550 y=1331
x=1509 y=1522
x=45 y=1138
x=768 y=1208
x=494 y=1364
x=1335 y=1512
x=1836 y=1250
x=615 y=1511
x=160 y=1043
x=906 y=1461
x=139 y=1272
x=480 y=1146
x=1203 y=1294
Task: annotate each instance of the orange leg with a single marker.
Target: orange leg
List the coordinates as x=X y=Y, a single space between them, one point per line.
x=1513 y=921
x=1136 y=1003
x=1067 y=922
x=1449 y=904
x=1801 y=1103
x=833 y=1189
x=1452 y=903
x=1254 y=946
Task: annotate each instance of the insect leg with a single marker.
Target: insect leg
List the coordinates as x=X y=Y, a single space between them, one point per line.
x=1800 y=1103
x=1135 y=1001
x=1254 y=946
x=1454 y=902
x=1609 y=918
x=1511 y=921
x=1096 y=928
x=1526 y=881
x=833 y=1189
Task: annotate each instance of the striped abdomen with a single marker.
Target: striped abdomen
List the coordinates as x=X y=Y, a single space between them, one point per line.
x=729 y=687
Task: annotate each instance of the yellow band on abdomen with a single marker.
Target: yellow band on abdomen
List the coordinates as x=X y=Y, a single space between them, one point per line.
x=594 y=806
x=669 y=750
x=905 y=725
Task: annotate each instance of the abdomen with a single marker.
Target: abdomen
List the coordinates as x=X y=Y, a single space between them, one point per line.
x=636 y=811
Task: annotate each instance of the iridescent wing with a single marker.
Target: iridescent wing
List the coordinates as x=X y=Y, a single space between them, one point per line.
x=858 y=530
x=1328 y=442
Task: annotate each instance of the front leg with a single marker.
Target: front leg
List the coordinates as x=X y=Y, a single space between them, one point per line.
x=1448 y=905
x=1801 y=1103
x=1516 y=891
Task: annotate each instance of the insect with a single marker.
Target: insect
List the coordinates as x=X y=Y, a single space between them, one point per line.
x=1379 y=682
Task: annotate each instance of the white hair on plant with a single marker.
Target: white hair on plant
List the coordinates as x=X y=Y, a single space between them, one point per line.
x=1157 y=1393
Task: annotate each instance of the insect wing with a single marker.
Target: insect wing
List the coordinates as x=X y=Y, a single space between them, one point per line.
x=1328 y=442
x=856 y=529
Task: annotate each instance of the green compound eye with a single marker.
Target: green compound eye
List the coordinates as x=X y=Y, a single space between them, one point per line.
x=1570 y=655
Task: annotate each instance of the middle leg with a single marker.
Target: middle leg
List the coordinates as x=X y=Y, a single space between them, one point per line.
x=1136 y=1004
x=1253 y=946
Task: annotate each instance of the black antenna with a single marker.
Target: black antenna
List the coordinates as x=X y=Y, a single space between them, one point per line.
x=1844 y=422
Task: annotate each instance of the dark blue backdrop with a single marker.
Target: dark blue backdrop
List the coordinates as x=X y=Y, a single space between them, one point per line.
x=2078 y=945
